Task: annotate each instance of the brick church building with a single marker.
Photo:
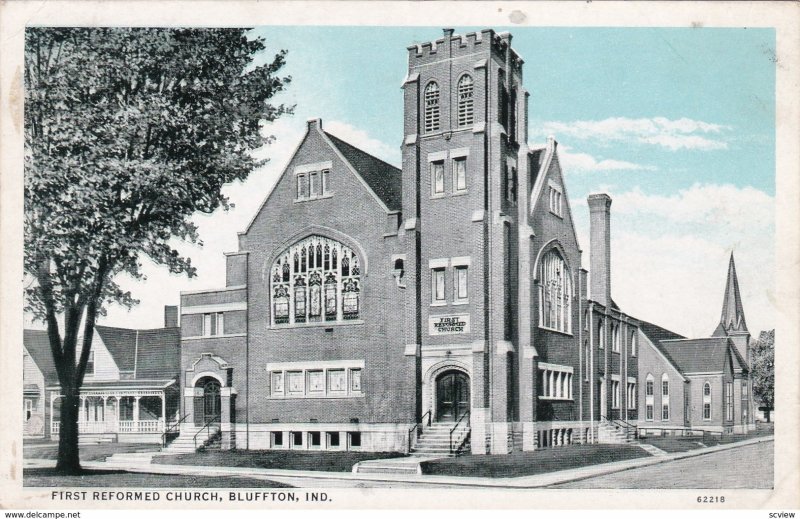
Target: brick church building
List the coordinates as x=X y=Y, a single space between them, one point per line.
x=438 y=306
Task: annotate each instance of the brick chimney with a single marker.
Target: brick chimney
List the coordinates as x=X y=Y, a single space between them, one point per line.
x=170 y=316
x=600 y=248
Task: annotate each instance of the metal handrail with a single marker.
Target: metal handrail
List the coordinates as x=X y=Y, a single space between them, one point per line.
x=206 y=426
x=171 y=428
x=458 y=422
x=418 y=427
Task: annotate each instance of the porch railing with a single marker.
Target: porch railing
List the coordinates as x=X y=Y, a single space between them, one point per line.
x=114 y=427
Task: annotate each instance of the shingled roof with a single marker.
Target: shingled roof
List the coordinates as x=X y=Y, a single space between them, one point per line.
x=702 y=355
x=38 y=345
x=383 y=178
x=153 y=354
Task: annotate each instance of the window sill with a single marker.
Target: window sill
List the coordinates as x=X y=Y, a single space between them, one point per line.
x=315 y=396
x=556 y=399
x=462 y=192
x=439 y=303
x=312 y=198
x=617 y=352
x=556 y=214
x=556 y=331
x=437 y=196
x=460 y=303
x=323 y=324
x=224 y=336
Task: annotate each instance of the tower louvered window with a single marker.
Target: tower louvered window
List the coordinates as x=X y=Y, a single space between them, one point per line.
x=432 y=107
x=465 y=101
x=316 y=280
x=555 y=309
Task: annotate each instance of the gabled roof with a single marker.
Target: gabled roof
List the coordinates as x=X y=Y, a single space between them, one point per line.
x=732 y=318
x=121 y=344
x=38 y=345
x=702 y=355
x=153 y=354
x=383 y=178
x=159 y=354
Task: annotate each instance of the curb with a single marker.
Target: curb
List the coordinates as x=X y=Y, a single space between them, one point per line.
x=521 y=482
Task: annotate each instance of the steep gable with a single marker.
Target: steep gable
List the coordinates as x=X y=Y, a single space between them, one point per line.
x=380 y=179
x=546 y=172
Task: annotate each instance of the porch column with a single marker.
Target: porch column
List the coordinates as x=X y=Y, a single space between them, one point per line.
x=52 y=410
x=105 y=417
x=82 y=417
x=136 y=413
x=163 y=412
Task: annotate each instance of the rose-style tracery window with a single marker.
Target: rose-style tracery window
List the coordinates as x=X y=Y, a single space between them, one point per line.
x=316 y=280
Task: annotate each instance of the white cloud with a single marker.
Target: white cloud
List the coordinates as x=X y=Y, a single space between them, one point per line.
x=670 y=254
x=583 y=162
x=673 y=134
x=360 y=139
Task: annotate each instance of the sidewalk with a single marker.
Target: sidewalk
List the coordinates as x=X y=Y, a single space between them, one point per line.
x=348 y=479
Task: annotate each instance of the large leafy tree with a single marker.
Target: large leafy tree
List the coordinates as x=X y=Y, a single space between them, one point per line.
x=764 y=371
x=128 y=133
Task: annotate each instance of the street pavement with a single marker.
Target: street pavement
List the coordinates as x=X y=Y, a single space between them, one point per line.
x=746 y=464
x=749 y=466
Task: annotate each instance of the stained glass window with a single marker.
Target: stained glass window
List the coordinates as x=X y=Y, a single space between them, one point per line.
x=316 y=280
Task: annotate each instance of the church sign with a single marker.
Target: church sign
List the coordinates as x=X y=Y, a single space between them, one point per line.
x=448 y=324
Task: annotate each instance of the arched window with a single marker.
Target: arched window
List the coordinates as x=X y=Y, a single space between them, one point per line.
x=615 y=337
x=664 y=397
x=601 y=334
x=316 y=280
x=587 y=359
x=555 y=286
x=633 y=344
x=465 y=103
x=648 y=396
x=431 y=107
x=707 y=401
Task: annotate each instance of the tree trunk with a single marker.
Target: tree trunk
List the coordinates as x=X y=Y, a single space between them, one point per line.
x=68 y=455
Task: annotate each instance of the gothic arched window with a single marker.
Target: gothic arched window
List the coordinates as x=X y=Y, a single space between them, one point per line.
x=315 y=280
x=465 y=101
x=555 y=286
x=431 y=107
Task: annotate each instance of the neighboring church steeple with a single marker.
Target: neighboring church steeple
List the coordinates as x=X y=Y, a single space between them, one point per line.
x=732 y=318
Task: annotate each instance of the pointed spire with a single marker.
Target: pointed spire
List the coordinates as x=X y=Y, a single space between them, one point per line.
x=732 y=318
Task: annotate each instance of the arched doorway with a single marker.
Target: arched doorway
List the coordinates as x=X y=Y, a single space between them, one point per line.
x=208 y=407
x=452 y=396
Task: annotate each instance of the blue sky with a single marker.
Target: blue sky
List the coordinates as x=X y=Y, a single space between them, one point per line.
x=677 y=125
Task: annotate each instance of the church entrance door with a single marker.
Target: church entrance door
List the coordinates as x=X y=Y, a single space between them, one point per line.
x=452 y=396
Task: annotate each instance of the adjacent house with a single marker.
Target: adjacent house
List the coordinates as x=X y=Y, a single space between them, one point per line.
x=130 y=390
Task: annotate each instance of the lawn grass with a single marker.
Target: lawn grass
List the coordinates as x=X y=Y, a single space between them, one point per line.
x=530 y=463
x=47 y=477
x=97 y=452
x=687 y=443
x=292 y=460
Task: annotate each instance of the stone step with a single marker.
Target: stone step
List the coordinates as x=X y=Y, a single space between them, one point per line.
x=389 y=468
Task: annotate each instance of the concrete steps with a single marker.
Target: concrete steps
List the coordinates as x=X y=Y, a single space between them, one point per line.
x=185 y=442
x=389 y=466
x=435 y=440
x=131 y=459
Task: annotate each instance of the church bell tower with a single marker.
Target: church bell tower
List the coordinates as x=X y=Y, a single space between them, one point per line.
x=465 y=122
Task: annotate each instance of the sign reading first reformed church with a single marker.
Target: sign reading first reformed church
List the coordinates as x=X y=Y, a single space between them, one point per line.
x=448 y=324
